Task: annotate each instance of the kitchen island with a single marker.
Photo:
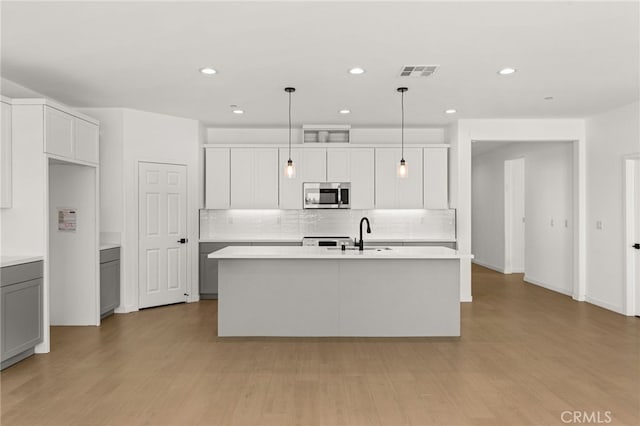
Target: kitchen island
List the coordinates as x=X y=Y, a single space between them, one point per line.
x=320 y=291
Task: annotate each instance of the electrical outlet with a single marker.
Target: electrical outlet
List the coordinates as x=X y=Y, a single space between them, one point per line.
x=599 y=224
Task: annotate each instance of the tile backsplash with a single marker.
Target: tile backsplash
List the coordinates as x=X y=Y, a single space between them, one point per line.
x=437 y=225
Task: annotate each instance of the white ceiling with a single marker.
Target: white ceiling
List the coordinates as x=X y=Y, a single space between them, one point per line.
x=146 y=55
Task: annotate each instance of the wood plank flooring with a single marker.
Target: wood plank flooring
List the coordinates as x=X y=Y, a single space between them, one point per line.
x=526 y=355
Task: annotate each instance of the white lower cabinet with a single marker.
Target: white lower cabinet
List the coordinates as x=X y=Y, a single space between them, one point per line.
x=70 y=137
x=254 y=178
x=310 y=166
x=391 y=191
x=355 y=165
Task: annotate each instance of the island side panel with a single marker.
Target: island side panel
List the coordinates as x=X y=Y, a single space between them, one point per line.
x=398 y=297
x=346 y=297
x=277 y=297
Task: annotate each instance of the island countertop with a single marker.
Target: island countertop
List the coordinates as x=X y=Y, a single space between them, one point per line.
x=370 y=252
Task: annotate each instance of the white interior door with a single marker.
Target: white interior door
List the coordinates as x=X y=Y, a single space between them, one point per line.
x=636 y=227
x=162 y=202
x=514 y=198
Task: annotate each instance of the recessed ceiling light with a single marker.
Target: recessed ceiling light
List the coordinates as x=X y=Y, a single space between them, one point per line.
x=208 y=71
x=507 y=71
x=450 y=111
x=345 y=111
x=356 y=71
x=238 y=111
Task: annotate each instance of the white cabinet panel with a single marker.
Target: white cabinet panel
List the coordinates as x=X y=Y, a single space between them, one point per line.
x=254 y=178
x=310 y=165
x=393 y=192
x=436 y=178
x=217 y=178
x=265 y=178
x=58 y=132
x=355 y=165
x=5 y=158
x=86 y=141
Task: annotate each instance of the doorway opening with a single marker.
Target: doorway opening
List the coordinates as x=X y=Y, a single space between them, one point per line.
x=524 y=210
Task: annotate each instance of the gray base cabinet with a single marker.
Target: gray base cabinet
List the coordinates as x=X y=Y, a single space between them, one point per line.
x=209 y=267
x=21 y=311
x=109 y=281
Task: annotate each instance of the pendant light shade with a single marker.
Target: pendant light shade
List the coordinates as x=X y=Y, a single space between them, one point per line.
x=289 y=169
x=403 y=169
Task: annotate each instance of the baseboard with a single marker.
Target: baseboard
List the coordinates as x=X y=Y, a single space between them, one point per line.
x=488 y=265
x=605 y=305
x=540 y=283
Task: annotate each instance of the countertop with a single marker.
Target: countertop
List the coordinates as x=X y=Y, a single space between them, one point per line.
x=18 y=259
x=299 y=240
x=107 y=246
x=292 y=252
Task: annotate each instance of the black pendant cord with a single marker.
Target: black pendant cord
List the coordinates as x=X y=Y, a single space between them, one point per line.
x=402 y=130
x=290 y=90
x=289 y=127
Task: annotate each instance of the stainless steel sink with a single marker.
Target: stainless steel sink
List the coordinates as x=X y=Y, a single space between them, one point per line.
x=356 y=248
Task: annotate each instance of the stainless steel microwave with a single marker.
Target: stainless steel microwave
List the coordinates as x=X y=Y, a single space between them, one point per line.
x=327 y=195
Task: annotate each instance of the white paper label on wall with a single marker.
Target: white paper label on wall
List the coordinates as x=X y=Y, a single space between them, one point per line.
x=67 y=220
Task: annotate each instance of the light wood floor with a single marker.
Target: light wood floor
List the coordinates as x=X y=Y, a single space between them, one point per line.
x=526 y=355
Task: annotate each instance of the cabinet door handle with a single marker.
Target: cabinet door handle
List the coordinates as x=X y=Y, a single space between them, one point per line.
x=636 y=246
x=183 y=240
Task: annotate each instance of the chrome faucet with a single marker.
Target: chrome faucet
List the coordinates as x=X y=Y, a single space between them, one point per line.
x=361 y=242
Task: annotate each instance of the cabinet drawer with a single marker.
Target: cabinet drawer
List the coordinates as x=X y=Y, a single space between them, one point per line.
x=109 y=255
x=20 y=273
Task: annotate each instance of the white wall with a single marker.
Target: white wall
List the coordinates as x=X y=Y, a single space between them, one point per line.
x=548 y=199
x=128 y=137
x=23 y=225
x=610 y=136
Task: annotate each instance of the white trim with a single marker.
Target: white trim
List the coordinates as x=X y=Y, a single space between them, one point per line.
x=489 y=266
x=605 y=305
x=542 y=284
x=631 y=287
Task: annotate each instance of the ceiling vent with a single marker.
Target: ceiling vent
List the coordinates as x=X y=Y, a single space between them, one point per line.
x=418 y=70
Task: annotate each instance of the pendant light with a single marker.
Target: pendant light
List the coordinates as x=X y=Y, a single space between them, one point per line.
x=403 y=170
x=289 y=170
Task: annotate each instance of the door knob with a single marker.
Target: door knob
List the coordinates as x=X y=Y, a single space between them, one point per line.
x=183 y=240
x=636 y=246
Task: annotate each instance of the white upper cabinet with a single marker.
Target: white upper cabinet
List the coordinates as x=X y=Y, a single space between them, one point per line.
x=436 y=178
x=217 y=178
x=69 y=136
x=391 y=191
x=58 y=127
x=254 y=178
x=355 y=165
x=5 y=159
x=86 y=141
x=310 y=166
